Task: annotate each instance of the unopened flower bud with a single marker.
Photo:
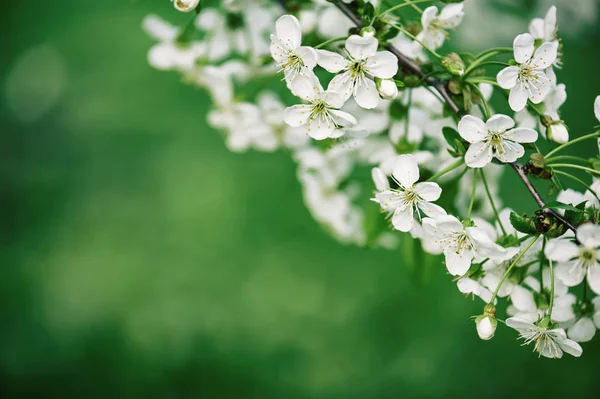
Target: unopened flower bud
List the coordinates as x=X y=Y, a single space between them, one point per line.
x=486 y=326
x=454 y=64
x=557 y=132
x=368 y=31
x=387 y=89
x=185 y=5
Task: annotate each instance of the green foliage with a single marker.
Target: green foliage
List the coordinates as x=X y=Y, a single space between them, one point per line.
x=523 y=224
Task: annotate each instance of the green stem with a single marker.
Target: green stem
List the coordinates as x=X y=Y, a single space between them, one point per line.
x=578 y=180
x=479 y=61
x=511 y=266
x=406 y=3
x=568 y=165
x=566 y=158
x=484 y=81
x=495 y=49
x=542 y=265
x=489 y=194
x=447 y=169
x=407 y=120
x=473 y=192
x=578 y=139
x=551 y=304
x=407 y=33
x=486 y=106
x=337 y=39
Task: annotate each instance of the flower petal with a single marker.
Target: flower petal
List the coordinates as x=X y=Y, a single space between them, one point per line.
x=583 y=330
x=431 y=210
x=346 y=117
x=331 y=62
x=499 y=123
x=451 y=16
x=507 y=78
x=366 y=94
x=589 y=235
x=383 y=65
x=458 y=263
x=478 y=155
x=523 y=46
x=593 y=276
x=561 y=250
x=571 y=347
x=472 y=129
x=288 y=31
x=428 y=16
x=343 y=84
x=304 y=87
x=308 y=55
x=380 y=179
x=518 y=97
x=520 y=325
x=360 y=47
x=521 y=135
x=429 y=191
x=569 y=273
x=403 y=219
x=544 y=56
x=406 y=170
x=597 y=109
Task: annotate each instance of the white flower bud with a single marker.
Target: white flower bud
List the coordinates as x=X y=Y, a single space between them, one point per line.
x=486 y=327
x=185 y=5
x=557 y=132
x=387 y=89
x=368 y=31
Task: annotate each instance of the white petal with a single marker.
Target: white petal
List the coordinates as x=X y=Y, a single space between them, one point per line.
x=429 y=191
x=431 y=210
x=448 y=224
x=569 y=273
x=478 y=155
x=360 y=47
x=451 y=16
x=383 y=65
x=308 y=55
x=523 y=299
x=347 y=119
x=593 y=276
x=472 y=129
x=536 y=28
x=520 y=325
x=500 y=123
x=296 y=115
x=334 y=99
x=406 y=170
x=366 y=94
x=380 y=179
x=561 y=250
x=571 y=347
x=550 y=23
x=403 y=219
x=331 y=62
x=597 y=109
x=521 y=135
x=343 y=84
x=589 y=235
x=583 y=330
x=518 y=97
x=458 y=263
x=507 y=78
x=304 y=87
x=288 y=31
x=544 y=56
x=428 y=16
x=509 y=151
x=523 y=46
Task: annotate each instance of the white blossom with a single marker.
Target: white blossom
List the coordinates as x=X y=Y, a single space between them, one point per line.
x=321 y=118
x=435 y=25
x=549 y=343
x=356 y=71
x=292 y=58
x=576 y=262
x=185 y=5
x=410 y=197
x=486 y=327
x=528 y=80
x=495 y=138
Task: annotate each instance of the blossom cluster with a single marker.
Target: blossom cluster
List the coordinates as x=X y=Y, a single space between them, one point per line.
x=369 y=90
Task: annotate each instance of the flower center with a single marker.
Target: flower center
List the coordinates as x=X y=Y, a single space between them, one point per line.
x=357 y=68
x=292 y=66
x=463 y=242
x=587 y=256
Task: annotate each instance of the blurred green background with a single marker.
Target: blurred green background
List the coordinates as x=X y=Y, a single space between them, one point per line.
x=140 y=258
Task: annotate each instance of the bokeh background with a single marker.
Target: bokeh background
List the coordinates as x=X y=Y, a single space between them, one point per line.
x=140 y=258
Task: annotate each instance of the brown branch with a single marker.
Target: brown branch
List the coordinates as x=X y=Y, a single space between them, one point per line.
x=441 y=87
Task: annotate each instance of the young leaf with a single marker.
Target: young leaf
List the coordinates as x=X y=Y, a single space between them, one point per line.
x=522 y=223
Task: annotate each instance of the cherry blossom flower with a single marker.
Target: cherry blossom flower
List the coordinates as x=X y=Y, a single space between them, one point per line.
x=486 y=327
x=435 y=25
x=528 y=80
x=576 y=262
x=185 y=5
x=321 y=118
x=411 y=196
x=292 y=58
x=462 y=244
x=544 y=29
x=495 y=138
x=597 y=109
x=548 y=342
x=363 y=62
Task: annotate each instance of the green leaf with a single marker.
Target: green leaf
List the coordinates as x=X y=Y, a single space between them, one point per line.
x=577 y=217
x=524 y=224
x=455 y=141
x=560 y=205
x=368 y=14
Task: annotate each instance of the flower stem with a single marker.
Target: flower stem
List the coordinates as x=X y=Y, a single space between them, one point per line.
x=578 y=180
x=407 y=3
x=337 y=39
x=473 y=192
x=407 y=33
x=578 y=139
x=447 y=169
x=486 y=106
x=551 y=304
x=566 y=158
x=475 y=80
x=489 y=194
x=479 y=60
x=568 y=165
x=511 y=266
x=407 y=121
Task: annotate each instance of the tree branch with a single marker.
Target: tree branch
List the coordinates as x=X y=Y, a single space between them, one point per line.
x=442 y=89
x=406 y=62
